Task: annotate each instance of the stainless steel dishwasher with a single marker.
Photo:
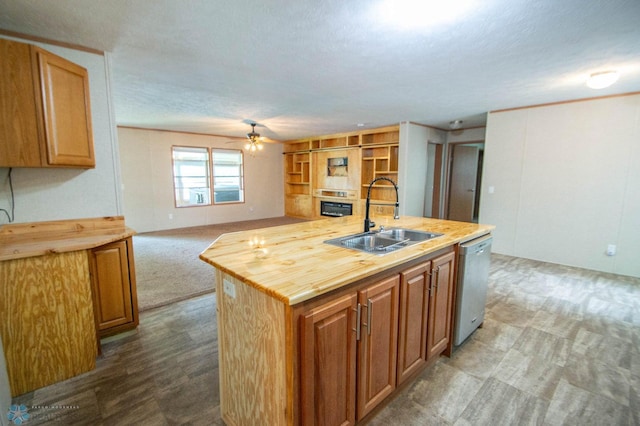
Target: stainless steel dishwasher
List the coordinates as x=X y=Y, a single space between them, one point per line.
x=474 y=259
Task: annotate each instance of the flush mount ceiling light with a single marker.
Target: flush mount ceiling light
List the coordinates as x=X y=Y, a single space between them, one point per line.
x=254 y=144
x=455 y=124
x=600 y=80
x=417 y=14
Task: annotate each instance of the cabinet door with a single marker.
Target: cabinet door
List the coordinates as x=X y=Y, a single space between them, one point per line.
x=19 y=139
x=298 y=206
x=414 y=304
x=328 y=349
x=440 y=305
x=114 y=294
x=67 y=114
x=378 y=347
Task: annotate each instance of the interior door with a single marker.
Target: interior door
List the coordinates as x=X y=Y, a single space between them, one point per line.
x=462 y=190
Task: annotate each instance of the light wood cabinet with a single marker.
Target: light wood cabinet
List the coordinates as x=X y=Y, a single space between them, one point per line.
x=45 y=114
x=114 y=287
x=46 y=324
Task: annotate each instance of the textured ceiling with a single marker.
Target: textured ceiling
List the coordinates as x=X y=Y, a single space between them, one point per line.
x=310 y=67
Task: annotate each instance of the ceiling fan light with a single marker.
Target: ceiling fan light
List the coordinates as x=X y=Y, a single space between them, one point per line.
x=455 y=124
x=600 y=80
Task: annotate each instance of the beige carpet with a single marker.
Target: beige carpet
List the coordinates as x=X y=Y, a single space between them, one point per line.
x=167 y=265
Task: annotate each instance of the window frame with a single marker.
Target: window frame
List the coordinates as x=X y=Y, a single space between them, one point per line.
x=210 y=178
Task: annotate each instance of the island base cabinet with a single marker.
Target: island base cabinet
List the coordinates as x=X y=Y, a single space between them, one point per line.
x=378 y=345
x=412 y=329
x=440 y=305
x=114 y=287
x=330 y=337
x=329 y=360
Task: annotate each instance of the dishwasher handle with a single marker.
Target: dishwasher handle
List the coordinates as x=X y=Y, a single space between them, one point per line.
x=477 y=246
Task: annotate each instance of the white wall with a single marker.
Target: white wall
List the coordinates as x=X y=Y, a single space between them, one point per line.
x=55 y=194
x=566 y=182
x=466 y=135
x=148 y=181
x=412 y=178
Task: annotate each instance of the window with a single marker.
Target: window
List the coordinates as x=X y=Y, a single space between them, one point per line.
x=192 y=176
x=191 y=179
x=228 y=185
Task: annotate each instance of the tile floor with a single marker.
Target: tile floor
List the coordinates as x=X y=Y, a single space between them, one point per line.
x=559 y=346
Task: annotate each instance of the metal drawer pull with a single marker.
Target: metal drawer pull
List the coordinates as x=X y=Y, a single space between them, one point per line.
x=369 y=317
x=358 y=314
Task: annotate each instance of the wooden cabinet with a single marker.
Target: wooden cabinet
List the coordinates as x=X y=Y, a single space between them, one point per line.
x=365 y=343
x=331 y=336
x=45 y=114
x=114 y=287
x=426 y=303
x=440 y=304
x=378 y=345
x=328 y=380
x=412 y=330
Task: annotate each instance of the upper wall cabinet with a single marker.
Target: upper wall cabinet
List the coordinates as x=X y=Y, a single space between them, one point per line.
x=45 y=115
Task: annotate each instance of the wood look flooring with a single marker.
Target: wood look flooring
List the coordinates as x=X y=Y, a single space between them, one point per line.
x=559 y=346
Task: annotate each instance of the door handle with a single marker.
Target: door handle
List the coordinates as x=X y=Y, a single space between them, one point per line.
x=368 y=323
x=358 y=314
x=369 y=309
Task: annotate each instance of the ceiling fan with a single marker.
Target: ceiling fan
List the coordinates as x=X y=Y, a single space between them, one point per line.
x=254 y=144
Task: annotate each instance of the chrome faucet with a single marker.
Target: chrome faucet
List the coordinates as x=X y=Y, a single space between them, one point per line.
x=368 y=224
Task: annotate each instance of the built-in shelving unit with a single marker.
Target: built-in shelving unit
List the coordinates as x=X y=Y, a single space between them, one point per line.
x=297 y=169
x=298 y=200
x=379 y=161
x=379 y=158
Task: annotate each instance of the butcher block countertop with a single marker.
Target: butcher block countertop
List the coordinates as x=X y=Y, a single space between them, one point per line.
x=22 y=240
x=291 y=263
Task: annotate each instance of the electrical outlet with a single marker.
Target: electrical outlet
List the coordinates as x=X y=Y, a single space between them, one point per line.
x=229 y=288
x=611 y=250
x=170 y=215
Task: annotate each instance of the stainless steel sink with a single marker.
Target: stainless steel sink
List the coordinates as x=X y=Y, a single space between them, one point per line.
x=410 y=234
x=382 y=242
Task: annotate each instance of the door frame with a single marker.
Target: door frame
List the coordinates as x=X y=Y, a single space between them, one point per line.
x=438 y=180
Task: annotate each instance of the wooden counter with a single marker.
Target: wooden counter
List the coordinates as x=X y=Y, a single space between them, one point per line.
x=47 y=297
x=20 y=240
x=288 y=314
x=292 y=264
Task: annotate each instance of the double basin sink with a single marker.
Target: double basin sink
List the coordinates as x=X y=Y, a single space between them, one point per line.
x=383 y=241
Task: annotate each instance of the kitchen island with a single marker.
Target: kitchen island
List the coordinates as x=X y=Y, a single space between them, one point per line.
x=311 y=333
